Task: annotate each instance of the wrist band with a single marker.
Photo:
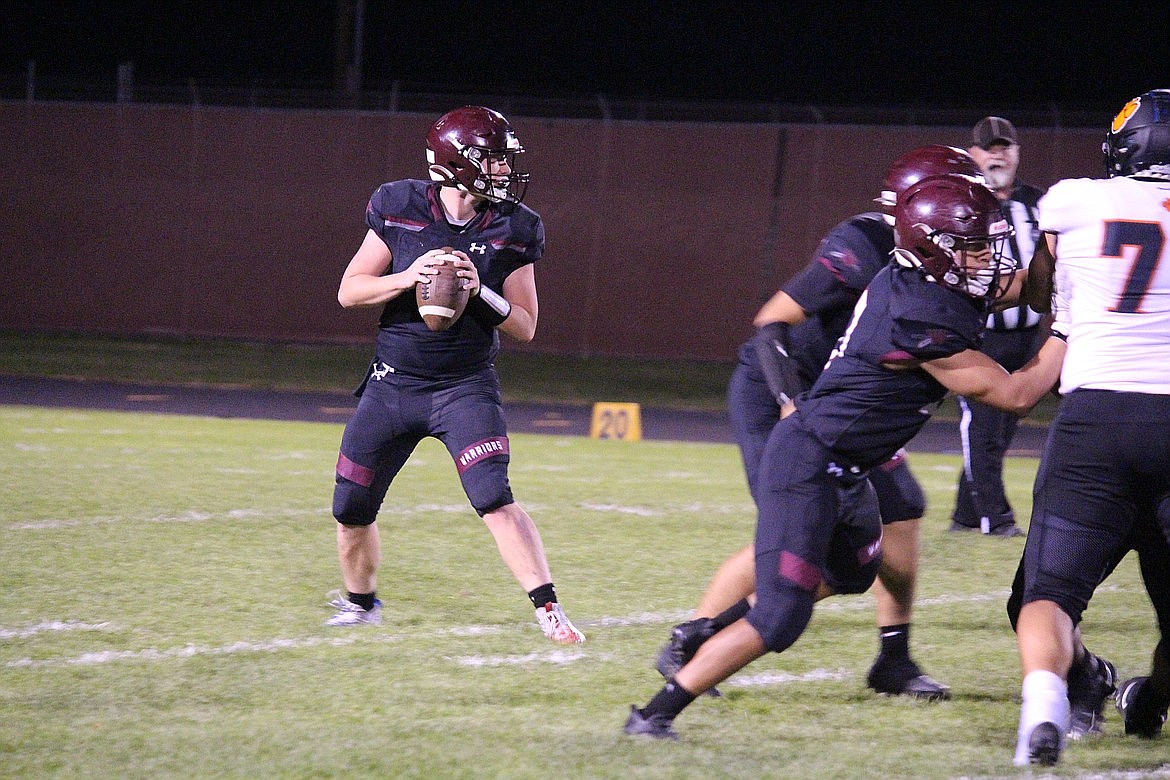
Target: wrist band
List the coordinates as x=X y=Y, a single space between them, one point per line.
x=495 y=302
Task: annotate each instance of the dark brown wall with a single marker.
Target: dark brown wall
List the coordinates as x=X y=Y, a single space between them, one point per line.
x=663 y=239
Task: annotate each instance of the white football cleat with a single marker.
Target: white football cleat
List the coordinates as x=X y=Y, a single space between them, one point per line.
x=556 y=626
x=336 y=599
x=350 y=614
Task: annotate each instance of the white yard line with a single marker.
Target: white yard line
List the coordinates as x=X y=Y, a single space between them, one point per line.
x=186 y=651
x=371 y=635
x=190 y=516
x=558 y=657
x=624 y=510
x=53 y=626
x=203 y=516
x=782 y=678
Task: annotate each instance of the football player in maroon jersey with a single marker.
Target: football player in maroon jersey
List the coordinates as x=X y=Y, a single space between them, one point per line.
x=913 y=336
x=443 y=383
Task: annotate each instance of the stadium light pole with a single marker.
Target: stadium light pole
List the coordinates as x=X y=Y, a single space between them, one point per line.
x=348 y=40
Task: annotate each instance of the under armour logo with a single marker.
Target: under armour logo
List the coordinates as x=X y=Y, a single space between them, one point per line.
x=839 y=471
x=378 y=371
x=479 y=249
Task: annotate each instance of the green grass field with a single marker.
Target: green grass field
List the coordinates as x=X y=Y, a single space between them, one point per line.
x=162 y=598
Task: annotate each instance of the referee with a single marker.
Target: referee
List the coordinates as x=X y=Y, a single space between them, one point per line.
x=1012 y=338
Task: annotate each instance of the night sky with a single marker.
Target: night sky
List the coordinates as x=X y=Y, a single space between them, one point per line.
x=1076 y=55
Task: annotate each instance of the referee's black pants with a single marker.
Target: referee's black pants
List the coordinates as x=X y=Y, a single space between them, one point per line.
x=987 y=433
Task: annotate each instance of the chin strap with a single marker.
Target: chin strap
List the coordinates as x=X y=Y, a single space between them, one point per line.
x=906 y=258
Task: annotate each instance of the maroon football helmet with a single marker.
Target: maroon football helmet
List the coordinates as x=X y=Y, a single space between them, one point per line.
x=474 y=149
x=951 y=229
x=916 y=164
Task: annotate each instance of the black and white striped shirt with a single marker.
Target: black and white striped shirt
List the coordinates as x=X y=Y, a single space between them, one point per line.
x=1022 y=212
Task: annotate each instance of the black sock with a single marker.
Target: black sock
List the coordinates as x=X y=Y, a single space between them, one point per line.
x=731 y=614
x=1081 y=673
x=670 y=701
x=543 y=595
x=363 y=600
x=895 y=641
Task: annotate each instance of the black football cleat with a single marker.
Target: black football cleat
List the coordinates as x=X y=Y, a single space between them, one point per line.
x=1044 y=745
x=904 y=678
x=685 y=640
x=656 y=726
x=1090 y=683
x=1006 y=530
x=669 y=659
x=1141 y=714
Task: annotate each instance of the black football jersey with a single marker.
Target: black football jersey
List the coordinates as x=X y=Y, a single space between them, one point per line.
x=866 y=412
x=407 y=216
x=846 y=260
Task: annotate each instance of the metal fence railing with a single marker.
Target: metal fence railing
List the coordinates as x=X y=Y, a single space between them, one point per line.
x=397 y=96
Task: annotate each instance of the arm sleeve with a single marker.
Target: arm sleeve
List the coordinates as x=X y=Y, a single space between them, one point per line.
x=781 y=371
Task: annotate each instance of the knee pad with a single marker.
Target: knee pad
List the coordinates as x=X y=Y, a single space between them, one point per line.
x=855 y=548
x=499 y=499
x=1062 y=564
x=485 y=482
x=353 y=504
x=781 y=617
x=899 y=494
x=1015 y=600
x=855 y=578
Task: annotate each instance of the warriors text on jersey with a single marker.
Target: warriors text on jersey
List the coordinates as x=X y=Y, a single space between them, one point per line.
x=1113 y=248
x=407 y=216
x=864 y=411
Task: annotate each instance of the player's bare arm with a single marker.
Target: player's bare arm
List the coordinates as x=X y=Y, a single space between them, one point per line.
x=1033 y=285
x=1041 y=274
x=1013 y=293
x=780 y=308
x=972 y=374
x=364 y=282
x=520 y=292
x=519 y=297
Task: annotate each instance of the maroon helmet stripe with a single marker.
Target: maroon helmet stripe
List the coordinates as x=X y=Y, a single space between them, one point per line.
x=488 y=448
x=354 y=472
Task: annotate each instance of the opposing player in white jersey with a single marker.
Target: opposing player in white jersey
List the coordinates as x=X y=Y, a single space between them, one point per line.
x=1103 y=486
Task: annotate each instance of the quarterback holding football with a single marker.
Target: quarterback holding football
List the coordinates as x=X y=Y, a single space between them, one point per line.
x=433 y=372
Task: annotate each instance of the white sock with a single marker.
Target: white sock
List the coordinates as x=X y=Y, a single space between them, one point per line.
x=1045 y=701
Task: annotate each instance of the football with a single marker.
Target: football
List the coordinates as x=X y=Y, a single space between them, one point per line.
x=441 y=300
